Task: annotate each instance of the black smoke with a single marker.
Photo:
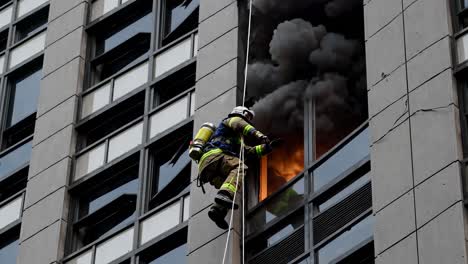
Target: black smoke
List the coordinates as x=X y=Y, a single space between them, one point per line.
x=307 y=50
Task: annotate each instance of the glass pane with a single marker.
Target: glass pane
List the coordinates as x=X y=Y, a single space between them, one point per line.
x=172 y=57
x=192 y=104
x=464 y=4
x=345 y=192
x=5 y=16
x=462 y=46
x=28 y=26
x=159 y=223
x=26 y=6
x=90 y=161
x=176 y=256
x=15 y=159
x=186 y=208
x=345 y=158
x=107 y=194
x=84 y=258
x=110 y=4
x=27 y=49
x=9 y=250
x=2 y=63
x=168 y=117
x=282 y=204
x=125 y=141
x=195 y=45
x=123 y=32
x=11 y=212
x=177 y=11
x=347 y=240
x=24 y=93
x=130 y=80
x=115 y=247
x=96 y=100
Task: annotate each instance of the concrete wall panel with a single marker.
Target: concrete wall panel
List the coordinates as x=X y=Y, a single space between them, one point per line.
x=379 y=13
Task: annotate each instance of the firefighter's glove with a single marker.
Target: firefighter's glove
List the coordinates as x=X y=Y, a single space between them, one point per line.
x=261 y=137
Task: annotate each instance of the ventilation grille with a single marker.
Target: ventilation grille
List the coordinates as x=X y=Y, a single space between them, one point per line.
x=342 y=213
x=283 y=252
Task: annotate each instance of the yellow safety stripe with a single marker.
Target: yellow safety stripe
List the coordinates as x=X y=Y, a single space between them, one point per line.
x=259 y=151
x=247 y=129
x=233 y=119
x=229 y=186
x=209 y=153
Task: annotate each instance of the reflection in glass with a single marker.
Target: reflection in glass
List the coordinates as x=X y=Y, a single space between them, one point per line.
x=125 y=141
x=25 y=6
x=9 y=250
x=177 y=11
x=279 y=206
x=169 y=116
x=172 y=57
x=15 y=159
x=160 y=222
x=462 y=47
x=27 y=49
x=177 y=255
x=130 y=80
x=24 y=92
x=345 y=158
x=117 y=36
x=345 y=192
x=96 y=100
x=98 y=200
x=90 y=161
x=5 y=16
x=464 y=4
x=11 y=212
x=115 y=247
x=171 y=165
x=84 y=258
x=347 y=240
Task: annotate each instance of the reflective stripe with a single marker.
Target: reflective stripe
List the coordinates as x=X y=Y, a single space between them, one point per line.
x=229 y=186
x=233 y=119
x=209 y=153
x=259 y=151
x=247 y=129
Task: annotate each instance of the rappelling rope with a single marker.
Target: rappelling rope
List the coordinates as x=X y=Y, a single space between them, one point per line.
x=241 y=154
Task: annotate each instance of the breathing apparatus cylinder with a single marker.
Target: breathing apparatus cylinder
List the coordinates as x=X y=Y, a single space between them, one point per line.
x=203 y=135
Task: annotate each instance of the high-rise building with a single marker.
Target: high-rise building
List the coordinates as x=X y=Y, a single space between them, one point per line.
x=100 y=99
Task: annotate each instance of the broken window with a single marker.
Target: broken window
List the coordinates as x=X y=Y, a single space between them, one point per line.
x=180 y=17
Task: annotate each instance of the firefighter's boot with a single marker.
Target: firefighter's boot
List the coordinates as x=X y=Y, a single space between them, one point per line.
x=225 y=199
x=217 y=214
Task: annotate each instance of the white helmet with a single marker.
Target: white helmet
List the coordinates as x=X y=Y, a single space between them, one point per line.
x=243 y=111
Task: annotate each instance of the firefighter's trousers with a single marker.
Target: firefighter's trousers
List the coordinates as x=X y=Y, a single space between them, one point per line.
x=221 y=170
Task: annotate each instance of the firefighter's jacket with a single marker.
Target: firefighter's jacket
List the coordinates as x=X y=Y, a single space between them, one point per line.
x=227 y=139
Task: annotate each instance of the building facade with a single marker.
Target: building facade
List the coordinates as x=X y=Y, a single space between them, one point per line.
x=100 y=99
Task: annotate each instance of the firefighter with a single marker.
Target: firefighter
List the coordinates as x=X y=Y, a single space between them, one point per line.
x=220 y=165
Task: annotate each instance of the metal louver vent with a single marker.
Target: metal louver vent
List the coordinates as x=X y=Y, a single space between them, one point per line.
x=283 y=252
x=342 y=213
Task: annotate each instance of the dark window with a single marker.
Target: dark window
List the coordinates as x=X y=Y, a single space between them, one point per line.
x=119 y=33
x=349 y=239
x=23 y=95
x=106 y=207
x=31 y=24
x=174 y=85
x=3 y=40
x=171 y=171
x=14 y=159
x=121 y=41
x=180 y=17
x=170 y=250
x=9 y=247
